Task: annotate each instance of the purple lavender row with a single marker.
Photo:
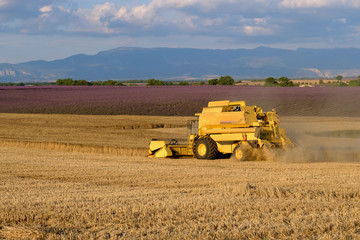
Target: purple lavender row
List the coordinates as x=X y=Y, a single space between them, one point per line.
x=177 y=100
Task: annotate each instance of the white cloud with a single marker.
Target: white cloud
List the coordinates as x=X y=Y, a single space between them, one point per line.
x=20 y=10
x=134 y=14
x=3 y=2
x=260 y=20
x=239 y=21
x=210 y=22
x=45 y=9
x=206 y=5
x=186 y=16
x=98 y=13
x=305 y=3
x=255 y=21
x=318 y=3
x=341 y=20
x=257 y=31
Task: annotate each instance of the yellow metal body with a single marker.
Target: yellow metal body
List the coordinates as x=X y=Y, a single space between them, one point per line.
x=229 y=124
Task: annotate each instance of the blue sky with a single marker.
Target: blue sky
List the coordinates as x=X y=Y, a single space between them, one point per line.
x=53 y=29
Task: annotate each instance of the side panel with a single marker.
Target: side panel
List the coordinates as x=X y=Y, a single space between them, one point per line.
x=221 y=118
x=235 y=137
x=250 y=114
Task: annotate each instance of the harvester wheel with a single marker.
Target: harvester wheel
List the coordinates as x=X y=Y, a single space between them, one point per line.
x=242 y=153
x=205 y=148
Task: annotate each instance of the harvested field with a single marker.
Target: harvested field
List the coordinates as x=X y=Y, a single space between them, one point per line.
x=71 y=177
x=58 y=195
x=177 y=100
x=82 y=130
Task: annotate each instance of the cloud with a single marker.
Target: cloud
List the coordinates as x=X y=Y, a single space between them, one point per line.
x=45 y=9
x=319 y=3
x=257 y=31
x=240 y=21
x=160 y=16
x=18 y=9
x=341 y=20
x=199 y=4
x=3 y=2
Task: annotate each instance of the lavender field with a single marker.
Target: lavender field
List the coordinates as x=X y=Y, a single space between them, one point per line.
x=177 y=100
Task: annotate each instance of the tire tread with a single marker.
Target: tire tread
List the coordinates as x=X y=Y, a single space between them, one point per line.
x=211 y=146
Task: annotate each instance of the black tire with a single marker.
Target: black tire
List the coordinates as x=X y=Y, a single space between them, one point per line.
x=205 y=148
x=242 y=153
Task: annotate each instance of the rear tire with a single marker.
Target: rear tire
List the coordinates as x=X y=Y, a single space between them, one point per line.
x=242 y=153
x=205 y=148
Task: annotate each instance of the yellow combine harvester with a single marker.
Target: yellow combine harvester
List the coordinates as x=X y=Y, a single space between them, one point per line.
x=226 y=127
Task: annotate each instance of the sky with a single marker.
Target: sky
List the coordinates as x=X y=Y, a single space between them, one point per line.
x=55 y=29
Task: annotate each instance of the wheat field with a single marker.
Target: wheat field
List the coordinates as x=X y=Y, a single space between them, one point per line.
x=71 y=177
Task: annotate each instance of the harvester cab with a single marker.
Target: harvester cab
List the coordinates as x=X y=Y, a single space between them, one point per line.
x=225 y=127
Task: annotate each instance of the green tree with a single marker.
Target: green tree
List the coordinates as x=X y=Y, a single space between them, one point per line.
x=82 y=83
x=354 y=83
x=183 y=83
x=226 y=80
x=118 y=83
x=154 y=82
x=342 y=84
x=96 y=83
x=66 y=81
x=59 y=82
x=285 y=82
x=321 y=82
x=202 y=83
x=339 y=77
x=270 y=82
x=108 y=83
x=213 y=81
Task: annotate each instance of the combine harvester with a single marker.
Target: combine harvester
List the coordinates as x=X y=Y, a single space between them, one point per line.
x=226 y=127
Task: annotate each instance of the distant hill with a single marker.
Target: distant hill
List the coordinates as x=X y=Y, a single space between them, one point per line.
x=186 y=63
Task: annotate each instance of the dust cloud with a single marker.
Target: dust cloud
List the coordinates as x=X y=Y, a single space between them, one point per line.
x=318 y=146
x=317 y=139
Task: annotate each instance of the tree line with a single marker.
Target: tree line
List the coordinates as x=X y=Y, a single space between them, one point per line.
x=280 y=82
x=71 y=82
x=223 y=80
x=340 y=83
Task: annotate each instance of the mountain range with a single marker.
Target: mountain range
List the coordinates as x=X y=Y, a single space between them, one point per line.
x=186 y=63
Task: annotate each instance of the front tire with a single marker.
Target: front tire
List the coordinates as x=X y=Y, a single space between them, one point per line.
x=205 y=148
